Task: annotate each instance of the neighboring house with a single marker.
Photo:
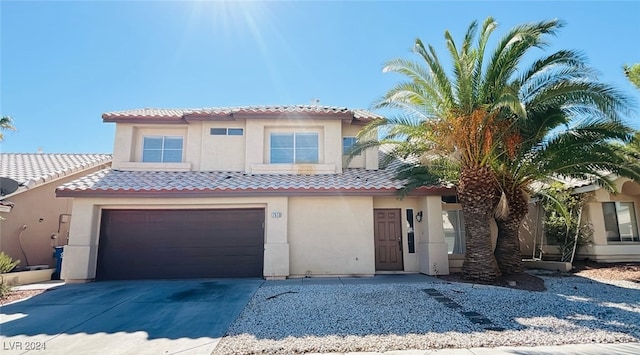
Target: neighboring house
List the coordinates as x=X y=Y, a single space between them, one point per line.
x=31 y=214
x=613 y=217
x=248 y=191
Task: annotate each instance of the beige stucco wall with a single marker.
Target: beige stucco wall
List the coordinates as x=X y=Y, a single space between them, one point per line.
x=304 y=235
x=600 y=249
x=249 y=152
x=123 y=145
x=331 y=236
x=80 y=259
x=222 y=153
x=39 y=210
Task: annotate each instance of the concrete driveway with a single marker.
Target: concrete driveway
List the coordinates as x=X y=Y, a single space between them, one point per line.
x=126 y=317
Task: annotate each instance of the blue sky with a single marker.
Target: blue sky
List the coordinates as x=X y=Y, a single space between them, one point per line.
x=65 y=63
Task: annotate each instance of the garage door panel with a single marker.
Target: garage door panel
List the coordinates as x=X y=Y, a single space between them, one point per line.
x=145 y=244
x=143 y=271
x=169 y=253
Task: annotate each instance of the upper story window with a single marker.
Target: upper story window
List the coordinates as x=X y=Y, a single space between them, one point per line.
x=294 y=148
x=162 y=149
x=620 y=221
x=227 y=131
x=347 y=144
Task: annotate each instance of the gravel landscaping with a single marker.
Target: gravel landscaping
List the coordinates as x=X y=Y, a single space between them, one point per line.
x=402 y=316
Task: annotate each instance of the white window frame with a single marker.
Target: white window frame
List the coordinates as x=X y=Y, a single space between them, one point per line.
x=354 y=140
x=458 y=247
x=294 y=146
x=163 y=149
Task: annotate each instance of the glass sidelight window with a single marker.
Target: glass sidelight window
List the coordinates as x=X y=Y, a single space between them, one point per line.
x=453 y=225
x=620 y=221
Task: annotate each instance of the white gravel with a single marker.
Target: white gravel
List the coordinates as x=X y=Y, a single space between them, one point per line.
x=385 y=317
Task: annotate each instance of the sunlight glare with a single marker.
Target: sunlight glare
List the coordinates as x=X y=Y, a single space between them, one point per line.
x=238 y=24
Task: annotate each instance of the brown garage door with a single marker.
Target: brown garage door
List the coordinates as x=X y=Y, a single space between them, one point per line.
x=168 y=244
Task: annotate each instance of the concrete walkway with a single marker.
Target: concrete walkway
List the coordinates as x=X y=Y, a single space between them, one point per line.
x=350 y=280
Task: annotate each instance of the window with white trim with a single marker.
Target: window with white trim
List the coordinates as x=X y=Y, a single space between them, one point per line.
x=294 y=148
x=620 y=221
x=347 y=144
x=162 y=149
x=453 y=225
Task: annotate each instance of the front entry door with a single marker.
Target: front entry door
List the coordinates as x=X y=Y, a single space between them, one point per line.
x=388 y=239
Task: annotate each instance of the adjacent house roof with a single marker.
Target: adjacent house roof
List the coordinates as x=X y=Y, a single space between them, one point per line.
x=31 y=170
x=218 y=183
x=232 y=113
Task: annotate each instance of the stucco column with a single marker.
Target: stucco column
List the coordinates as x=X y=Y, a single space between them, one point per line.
x=276 y=246
x=333 y=145
x=193 y=146
x=595 y=215
x=432 y=250
x=123 y=145
x=254 y=150
x=371 y=159
x=81 y=254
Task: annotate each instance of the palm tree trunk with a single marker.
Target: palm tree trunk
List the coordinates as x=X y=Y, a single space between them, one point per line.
x=478 y=194
x=507 y=251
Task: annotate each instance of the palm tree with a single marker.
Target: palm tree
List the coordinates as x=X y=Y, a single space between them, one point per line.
x=633 y=74
x=462 y=116
x=632 y=149
x=6 y=124
x=570 y=129
x=494 y=124
x=585 y=151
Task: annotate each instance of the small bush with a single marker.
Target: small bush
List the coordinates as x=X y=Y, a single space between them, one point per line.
x=562 y=222
x=6 y=264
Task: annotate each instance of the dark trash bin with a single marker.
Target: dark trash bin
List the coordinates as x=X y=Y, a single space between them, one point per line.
x=57 y=253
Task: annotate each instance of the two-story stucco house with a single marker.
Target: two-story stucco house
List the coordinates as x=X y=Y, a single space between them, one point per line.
x=247 y=191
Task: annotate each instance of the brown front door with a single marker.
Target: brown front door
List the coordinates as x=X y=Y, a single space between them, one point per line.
x=388 y=239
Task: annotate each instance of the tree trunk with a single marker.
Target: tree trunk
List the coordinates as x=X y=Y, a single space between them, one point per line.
x=507 y=251
x=479 y=195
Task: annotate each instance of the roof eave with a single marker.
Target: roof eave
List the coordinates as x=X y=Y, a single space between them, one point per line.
x=142 y=119
x=587 y=188
x=189 y=117
x=295 y=115
x=431 y=191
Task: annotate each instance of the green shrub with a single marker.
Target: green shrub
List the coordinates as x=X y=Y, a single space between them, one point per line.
x=6 y=264
x=562 y=220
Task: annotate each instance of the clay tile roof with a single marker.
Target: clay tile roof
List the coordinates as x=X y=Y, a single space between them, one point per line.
x=179 y=113
x=209 y=183
x=31 y=170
